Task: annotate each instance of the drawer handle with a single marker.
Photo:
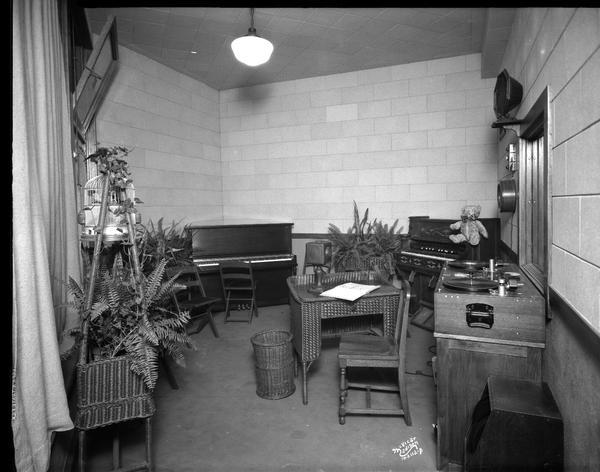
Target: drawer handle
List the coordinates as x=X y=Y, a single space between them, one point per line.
x=479 y=315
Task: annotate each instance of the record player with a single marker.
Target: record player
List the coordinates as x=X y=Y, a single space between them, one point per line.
x=469 y=302
x=480 y=332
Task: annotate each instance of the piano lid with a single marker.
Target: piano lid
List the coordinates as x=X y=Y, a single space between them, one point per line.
x=220 y=222
x=240 y=238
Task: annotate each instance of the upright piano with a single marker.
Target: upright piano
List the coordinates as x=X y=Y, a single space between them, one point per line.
x=267 y=245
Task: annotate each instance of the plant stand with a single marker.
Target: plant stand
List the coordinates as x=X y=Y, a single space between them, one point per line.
x=108 y=392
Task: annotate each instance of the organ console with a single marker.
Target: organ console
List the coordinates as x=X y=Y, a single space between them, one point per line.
x=427 y=247
x=265 y=244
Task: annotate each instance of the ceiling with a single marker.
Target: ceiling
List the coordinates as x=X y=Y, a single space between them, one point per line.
x=308 y=41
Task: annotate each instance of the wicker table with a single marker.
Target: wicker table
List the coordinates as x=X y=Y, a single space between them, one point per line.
x=314 y=317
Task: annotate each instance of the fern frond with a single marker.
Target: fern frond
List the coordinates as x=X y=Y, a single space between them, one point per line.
x=144 y=360
x=154 y=279
x=147 y=332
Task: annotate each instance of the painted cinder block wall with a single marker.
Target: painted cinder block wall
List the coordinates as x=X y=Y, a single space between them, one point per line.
x=559 y=48
x=172 y=123
x=412 y=139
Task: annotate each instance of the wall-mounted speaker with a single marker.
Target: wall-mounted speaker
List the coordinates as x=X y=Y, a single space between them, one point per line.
x=507 y=94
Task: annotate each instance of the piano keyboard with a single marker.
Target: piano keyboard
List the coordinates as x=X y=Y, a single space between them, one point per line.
x=254 y=260
x=428 y=256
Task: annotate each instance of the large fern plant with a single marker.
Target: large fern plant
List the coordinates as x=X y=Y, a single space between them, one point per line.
x=133 y=318
x=157 y=242
x=363 y=241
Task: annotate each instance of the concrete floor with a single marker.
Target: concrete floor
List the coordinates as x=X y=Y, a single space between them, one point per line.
x=215 y=421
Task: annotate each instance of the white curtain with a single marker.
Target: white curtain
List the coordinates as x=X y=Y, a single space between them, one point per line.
x=45 y=247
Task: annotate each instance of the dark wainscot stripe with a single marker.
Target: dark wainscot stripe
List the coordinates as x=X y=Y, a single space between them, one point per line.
x=507 y=252
x=588 y=337
x=309 y=235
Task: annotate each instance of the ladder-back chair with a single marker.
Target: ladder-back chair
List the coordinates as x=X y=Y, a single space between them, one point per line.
x=189 y=294
x=239 y=289
x=383 y=352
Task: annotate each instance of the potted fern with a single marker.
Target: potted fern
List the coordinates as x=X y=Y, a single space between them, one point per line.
x=365 y=245
x=127 y=320
x=158 y=242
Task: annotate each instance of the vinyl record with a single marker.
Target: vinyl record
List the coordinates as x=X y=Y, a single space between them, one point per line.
x=466 y=264
x=471 y=285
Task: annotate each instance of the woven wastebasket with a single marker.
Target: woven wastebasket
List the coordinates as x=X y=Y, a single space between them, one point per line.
x=274 y=367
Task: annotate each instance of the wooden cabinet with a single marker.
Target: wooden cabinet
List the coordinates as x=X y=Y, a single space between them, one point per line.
x=508 y=342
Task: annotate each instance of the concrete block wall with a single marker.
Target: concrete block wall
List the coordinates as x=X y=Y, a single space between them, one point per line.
x=172 y=123
x=412 y=139
x=559 y=48
x=564 y=55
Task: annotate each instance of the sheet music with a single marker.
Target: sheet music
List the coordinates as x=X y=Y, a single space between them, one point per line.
x=349 y=291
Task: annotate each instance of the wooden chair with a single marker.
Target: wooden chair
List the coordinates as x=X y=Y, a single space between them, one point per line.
x=192 y=296
x=385 y=352
x=239 y=288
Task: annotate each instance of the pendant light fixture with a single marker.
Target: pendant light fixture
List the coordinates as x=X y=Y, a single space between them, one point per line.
x=251 y=49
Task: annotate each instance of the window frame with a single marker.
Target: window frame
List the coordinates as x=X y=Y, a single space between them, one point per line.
x=535 y=126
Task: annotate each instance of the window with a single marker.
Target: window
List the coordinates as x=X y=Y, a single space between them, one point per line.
x=534 y=206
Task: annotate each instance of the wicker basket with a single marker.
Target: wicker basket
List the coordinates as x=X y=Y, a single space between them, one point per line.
x=109 y=392
x=274 y=355
x=272 y=348
x=275 y=383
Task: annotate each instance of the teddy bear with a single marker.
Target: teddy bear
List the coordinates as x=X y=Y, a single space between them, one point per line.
x=470 y=227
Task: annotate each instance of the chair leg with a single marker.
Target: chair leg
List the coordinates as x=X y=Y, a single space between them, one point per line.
x=403 y=396
x=253 y=308
x=343 y=394
x=211 y=320
x=226 y=308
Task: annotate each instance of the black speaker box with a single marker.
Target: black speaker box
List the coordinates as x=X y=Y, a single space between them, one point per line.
x=515 y=426
x=318 y=252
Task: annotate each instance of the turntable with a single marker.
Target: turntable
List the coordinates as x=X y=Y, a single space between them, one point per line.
x=467 y=303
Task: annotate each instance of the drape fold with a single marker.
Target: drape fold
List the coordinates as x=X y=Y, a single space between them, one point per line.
x=45 y=243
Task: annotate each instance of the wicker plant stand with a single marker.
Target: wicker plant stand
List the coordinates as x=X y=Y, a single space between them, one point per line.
x=108 y=392
x=275 y=364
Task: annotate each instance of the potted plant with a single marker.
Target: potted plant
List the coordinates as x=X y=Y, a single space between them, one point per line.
x=365 y=245
x=157 y=242
x=131 y=320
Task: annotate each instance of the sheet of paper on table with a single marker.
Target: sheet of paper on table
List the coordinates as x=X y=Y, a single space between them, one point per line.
x=349 y=291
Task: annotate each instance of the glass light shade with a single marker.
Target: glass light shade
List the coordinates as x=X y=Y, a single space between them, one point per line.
x=252 y=50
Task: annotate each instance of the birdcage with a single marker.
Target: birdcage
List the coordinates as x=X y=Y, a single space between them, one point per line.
x=115 y=229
